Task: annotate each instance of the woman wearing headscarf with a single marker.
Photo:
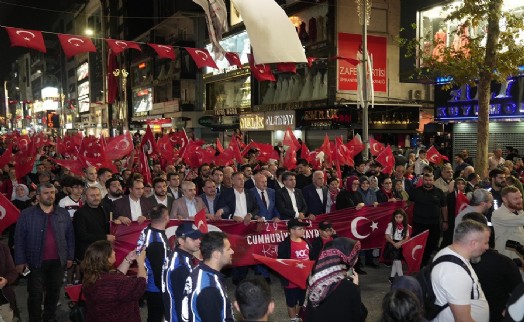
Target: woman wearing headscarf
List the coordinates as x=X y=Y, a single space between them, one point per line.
x=333 y=294
x=350 y=197
x=333 y=192
x=21 y=202
x=368 y=196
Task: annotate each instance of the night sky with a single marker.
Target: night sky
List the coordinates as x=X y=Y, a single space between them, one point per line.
x=27 y=14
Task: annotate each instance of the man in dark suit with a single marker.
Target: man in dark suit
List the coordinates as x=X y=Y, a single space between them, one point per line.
x=114 y=192
x=133 y=207
x=228 y=200
x=160 y=195
x=247 y=171
x=316 y=194
x=290 y=201
x=265 y=198
x=210 y=198
x=217 y=175
x=173 y=181
x=400 y=170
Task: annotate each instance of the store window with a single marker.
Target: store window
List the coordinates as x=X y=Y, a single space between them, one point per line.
x=238 y=43
x=437 y=33
x=229 y=94
x=141 y=73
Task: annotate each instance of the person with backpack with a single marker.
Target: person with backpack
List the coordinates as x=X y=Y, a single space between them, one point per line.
x=455 y=284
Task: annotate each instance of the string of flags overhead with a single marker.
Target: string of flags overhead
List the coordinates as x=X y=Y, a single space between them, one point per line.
x=73 y=45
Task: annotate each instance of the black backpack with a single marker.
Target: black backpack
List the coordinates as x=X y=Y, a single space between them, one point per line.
x=431 y=310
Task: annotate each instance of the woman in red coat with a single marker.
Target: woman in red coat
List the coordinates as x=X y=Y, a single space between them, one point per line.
x=111 y=295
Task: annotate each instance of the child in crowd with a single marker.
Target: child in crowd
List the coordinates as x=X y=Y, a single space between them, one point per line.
x=294 y=247
x=396 y=234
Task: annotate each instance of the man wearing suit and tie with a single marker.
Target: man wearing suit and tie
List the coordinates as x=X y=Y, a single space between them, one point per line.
x=316 y=194
x=236 y=203
x=210 y=199
x=290 y=201
x=160 y=195
x=133 y=207
x=217 y=175
x=189 y=205
x=265 y=198
x=173 y=180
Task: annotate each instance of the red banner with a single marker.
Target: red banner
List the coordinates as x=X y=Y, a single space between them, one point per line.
x=367 y=225
x=348 y=46
x=413 y=249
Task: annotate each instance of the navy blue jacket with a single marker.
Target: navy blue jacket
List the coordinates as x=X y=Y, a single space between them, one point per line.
x=30 y=235
x=215 y=202
x=263 y=211
x=227 y=202
x=285 y=205
x=314 y=205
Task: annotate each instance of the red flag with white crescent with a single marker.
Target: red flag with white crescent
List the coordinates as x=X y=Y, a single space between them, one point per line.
x=433 y=155
x=148 y=143
x=233 y=59
x=287 y=67
x=120 y=146
x=261 y=72
x=375 y=147
x=118 y=46
x=75 y=166
x=219 y=146
x=26 y=38
x=201 y=221
x=461 y=202
x=355 y=146
x=8 y=213
x=201 y=57
x=294 y=270
x=5 y=158
x=74 y=45
x=387 y=160
x=412 y=251
x=290 y=139
x=163 y=51
x=328 y=152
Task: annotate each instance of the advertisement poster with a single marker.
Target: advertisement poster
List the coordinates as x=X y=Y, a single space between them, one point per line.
x=348 y=47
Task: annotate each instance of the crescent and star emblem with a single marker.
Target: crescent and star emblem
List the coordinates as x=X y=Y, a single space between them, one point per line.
x=415 y=250
x=433 y=158
x=200 y=53
x=25 y=32
x=77 y=42
x=121 y=44
x=2 y=212
x=375 y=148
x=354 y=224
x=123 y=145
x=281 y=261
x=166 y=48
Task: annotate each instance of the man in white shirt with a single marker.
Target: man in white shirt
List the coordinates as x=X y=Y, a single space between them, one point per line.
x=508 y=221
x=421 y=162
x=290 y=201
x=236 y=203
x=217 y=176
x=133 y=207
x=451 y=282
x=173 y=179
x=160 y=195
x=103 y=175
x=210 y=198
x=189 y=204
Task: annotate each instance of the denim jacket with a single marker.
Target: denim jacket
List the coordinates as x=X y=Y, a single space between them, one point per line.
x=30 y=235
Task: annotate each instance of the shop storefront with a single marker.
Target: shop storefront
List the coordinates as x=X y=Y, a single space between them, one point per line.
x=268 y=127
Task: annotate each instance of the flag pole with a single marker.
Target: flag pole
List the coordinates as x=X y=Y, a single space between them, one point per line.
x=364 y=10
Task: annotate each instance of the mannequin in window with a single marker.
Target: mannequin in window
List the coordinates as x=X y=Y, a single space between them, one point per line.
x=440 y=44
x=461 y=39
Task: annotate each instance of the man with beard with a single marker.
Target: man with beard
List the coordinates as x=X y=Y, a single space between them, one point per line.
x=180 y=264
x=114 y=192
x=430 y=211
x=508 y=221
x=44 y=246
x=498 y=182
x=455 y=282
x=497 y=274
x=481 y=202
x=205 y=295
x=160 y=195
x=91 y=222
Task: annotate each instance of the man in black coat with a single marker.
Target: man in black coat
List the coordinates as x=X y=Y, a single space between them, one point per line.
x=290 y=201
x=316 y=194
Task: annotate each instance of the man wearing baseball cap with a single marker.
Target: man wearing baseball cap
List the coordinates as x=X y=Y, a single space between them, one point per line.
x=294 y=247
x=180 y=265
x=326 y=234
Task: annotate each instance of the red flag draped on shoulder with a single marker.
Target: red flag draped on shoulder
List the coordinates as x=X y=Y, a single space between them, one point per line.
x=294 y=270
x=74 y=45
x=163 y=51
x=8 y=213
x=26 y=38
x=413 y=249
x=387 y=160
x=201 y=221
x=375 y=147
x=201 y=57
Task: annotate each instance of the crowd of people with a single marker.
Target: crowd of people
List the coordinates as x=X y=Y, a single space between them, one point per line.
x=63 y=234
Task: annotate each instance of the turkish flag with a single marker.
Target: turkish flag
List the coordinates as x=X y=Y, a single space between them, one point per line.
x=352 y=61
x=144 y=167
x=201 y=57
x=433 y=155
x=75 y=166
x=287 y=67
x=41 y=140
x=219 y=146
x=24 y=164
x=342 y=153
x=266 y=151
x=328 y=152
x=412 y=251
x=290 y=158
x=118 y=46
x=375 y=147
x=119 y=146
x=26 y=38
x=74 y=45
x=310 y=61
x=304 y=153
x=461 y=202
x=290 y=139
x=112 y=81
x=180 y=138
x=294 y=270
x=261 y=72
x=201 y=221
x=5 y=158
x=149 y=142
x=233 y=59
x=163 y=51
x=23 y=142
x=234 y=146
x=387 y=160
x=355 y=146
x=8 y=213
x=91 y=147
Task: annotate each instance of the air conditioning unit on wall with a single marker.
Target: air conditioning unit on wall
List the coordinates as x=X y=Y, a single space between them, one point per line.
x=415 y=95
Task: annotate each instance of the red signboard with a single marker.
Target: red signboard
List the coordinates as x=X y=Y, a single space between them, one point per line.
x=348 y=46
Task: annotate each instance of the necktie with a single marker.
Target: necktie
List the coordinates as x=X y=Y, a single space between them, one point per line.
x=218 y=190
x=264 y=199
